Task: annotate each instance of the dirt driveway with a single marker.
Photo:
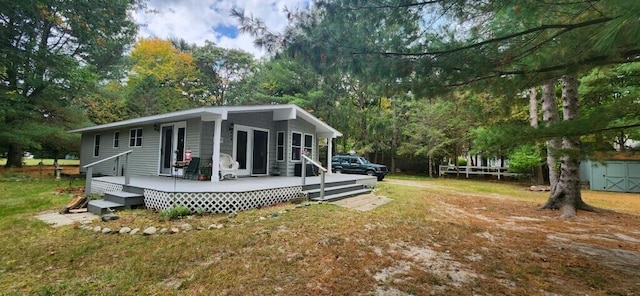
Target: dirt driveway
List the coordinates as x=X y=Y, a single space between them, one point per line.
x=513 y=227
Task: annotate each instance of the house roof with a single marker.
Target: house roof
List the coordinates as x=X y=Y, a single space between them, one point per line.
x=281 y=112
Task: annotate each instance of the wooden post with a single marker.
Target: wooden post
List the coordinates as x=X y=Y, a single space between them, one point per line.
x=303 y=170
x=87 y=186
x=127 y=177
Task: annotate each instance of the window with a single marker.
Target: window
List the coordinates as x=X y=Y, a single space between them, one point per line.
x=116 y=139
x=280 y=147
x=308 y=144
x=96 y=146
x=135 y=137
x=296 y=145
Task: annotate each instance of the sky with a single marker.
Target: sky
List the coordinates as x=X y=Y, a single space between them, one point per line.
x=198 y=20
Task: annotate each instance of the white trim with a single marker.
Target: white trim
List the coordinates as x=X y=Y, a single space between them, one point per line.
x=99 y=138
x=174 y=146
x=313 y=146
x=291 y=146
x=114 y=139
x=288 y=111
x=136 y=137
x=250 y=146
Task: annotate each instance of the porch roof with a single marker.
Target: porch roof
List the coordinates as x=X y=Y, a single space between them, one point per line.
x=280 y=112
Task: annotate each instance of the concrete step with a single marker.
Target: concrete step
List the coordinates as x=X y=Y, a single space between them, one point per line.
x=127 y=199
x=313 y=193
x=339 y=196
x=101 y=207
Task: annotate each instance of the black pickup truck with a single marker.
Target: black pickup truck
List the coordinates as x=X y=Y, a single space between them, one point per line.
x=352 y=164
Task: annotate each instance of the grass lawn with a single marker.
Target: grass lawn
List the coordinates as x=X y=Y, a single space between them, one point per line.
x=437 y=236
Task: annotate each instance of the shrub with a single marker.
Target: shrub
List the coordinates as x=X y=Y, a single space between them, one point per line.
x=175 y=212
x=525 y=159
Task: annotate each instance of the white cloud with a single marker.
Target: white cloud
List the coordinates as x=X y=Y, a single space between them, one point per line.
x=195 y=20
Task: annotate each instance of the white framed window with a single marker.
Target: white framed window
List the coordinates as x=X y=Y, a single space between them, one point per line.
x=296 y=146
x=135 y=137
x=280 y=146
x=96 y=145
x=308 y=144
x=116 y=139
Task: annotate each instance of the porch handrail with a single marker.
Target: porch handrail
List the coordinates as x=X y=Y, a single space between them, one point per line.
x=89 y=173
x=323 y=172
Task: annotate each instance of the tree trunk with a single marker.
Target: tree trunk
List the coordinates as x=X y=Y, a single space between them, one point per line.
x=550 y=116
x=14 y=156
x=533 y=120
x=566 y=194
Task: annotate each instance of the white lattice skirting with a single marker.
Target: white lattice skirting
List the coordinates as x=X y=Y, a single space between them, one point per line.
x=99 y=187
x=220 y=202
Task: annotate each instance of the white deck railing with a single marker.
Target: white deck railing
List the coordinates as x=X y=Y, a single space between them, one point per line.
x=323 y=171
x=89 y=173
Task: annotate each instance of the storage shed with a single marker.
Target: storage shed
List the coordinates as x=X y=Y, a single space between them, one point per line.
x=611 y=175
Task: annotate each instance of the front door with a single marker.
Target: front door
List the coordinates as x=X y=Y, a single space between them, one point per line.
x=250 y=150
x=260 y=149
x=172 y=145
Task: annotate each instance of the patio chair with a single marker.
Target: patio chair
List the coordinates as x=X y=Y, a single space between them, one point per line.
x=228 y=166
x=191 y=171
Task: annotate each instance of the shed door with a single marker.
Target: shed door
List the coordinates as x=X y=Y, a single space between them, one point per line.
x=598 y=176
x=633 y=176
x=615 y=179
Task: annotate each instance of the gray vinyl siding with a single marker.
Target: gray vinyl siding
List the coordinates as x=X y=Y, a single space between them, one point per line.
x=193 y=140
x=227 y=144
x=144 y=160
x=302 y=127
x=281 y=126
x=206 y=141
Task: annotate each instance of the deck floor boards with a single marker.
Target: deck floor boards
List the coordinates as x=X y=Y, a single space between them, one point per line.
x=243 y=184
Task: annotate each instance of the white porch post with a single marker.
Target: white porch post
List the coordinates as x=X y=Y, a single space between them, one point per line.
x=215 y=159
x=329 y=154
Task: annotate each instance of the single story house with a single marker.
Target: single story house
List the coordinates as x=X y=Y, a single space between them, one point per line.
x=137 y=161
x=263 y=139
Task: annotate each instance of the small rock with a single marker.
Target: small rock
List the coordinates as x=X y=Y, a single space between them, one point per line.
x=164 y=230
x=97 y=229
x=134 y=231
x=233 y=215
x=274 y=215
x=110 y=217
x=186 y=227
x=262 y=218
x=199 y=228
x=215 y=226
x=124 y=230
x=149 y=230
x=174 y=230
x=106 y=230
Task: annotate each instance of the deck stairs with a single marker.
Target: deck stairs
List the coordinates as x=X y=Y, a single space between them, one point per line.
x=129 y=197
x=335 y=190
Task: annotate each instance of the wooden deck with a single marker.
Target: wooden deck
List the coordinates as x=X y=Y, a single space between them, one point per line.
x=173 y=184
x=228 y=195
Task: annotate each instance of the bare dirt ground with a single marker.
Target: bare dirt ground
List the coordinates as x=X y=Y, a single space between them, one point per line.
x=587 y=242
